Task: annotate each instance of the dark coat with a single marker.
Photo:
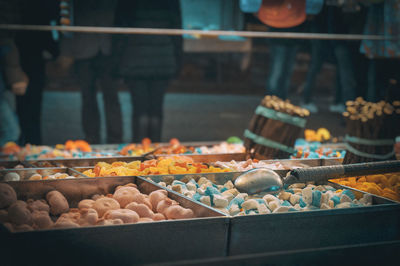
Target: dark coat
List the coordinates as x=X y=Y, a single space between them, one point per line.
x=147 y=56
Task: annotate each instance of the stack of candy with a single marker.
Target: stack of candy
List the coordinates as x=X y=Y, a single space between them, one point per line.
x=387 y=185
x=126 y=206
x=250 y=164
x=71 y=149
x=13 y=176
x=162 y=166
x=136 y=149
x=314 y=150
x=296 y=197
x=232 y=145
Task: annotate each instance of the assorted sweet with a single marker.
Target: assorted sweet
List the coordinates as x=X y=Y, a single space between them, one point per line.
x=242 y=166
x=18 y=166
x=384 y=185
x=161 y=166
x=127 y=205
x=136 y=149
x=71 y=149
x=232 y=145
x=315 y=150
x=14 y=176
x=296 y=197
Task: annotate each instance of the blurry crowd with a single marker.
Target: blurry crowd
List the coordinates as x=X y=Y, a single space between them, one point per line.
x=147 y=63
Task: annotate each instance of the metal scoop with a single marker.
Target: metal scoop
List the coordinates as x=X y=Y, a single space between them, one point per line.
x=259 y=180
x=265 y=180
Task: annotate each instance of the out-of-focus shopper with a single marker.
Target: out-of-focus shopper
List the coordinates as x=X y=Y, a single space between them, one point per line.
x=31 y=45
x=383 y=18
x=282 y=16
x=92 y=56
x=147 y=62
x=13 y=80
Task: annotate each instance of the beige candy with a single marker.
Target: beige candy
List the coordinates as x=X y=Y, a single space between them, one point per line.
x=125 y=195
x=294 y=198
x=220 y=201
x=38 y=205
x=142 y=198
x=35 y=177
x=205 y=200
x=22 y=228
x=109 y=222
x=202 y=181
x=42 y=219
x=156 y=196
x=281 y=209
x=141 y=209
x=263 y=209
x=192 y=187
x=297 y=185
x=284 y=195
x=85 y=204
x=177 y=188
x=178 y=212
x=58 y=203
x=272 y=205
x=267 y=198
x=18 y=213
x=164 y=204
x=145 y=220
x=234 y=210
x=158 y=217
x=229 y=185
x=88 y=217
x=65 y=223
x=102 y=205
x=7 y=195
x=126 y=215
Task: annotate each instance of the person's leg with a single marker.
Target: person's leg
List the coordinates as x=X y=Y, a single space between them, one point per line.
x=29 y=106
x=277 y=55
x=111 y=102
x=287 y=69
x=9 y=126
x=157 y=91
x=90 y=110
x=140 y=107
x=315 y=67
x=346 y=72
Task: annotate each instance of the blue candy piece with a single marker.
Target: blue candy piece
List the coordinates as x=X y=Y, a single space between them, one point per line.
x=316 y=198
x=302 y=203
x=313 y=155
x=214 y=185
x=237 y=201
x=292 y=210
x=223 y=189
x=260 y=201
x=300 y=142
x=177 y=182
x=354 y=205
x=336 y=200
x=211 y=191
x=197 y=196
x=198 y=150
x=348 y=193
x=121 y=146
x=286 y=203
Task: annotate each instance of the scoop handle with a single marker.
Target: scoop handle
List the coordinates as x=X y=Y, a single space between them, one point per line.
x=324 y=173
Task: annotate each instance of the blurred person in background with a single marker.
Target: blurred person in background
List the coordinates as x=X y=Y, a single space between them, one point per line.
x=31 y=46
x=383 y=18
x=13 y=80
x=282 y=16
x=147 y=62
x=91 y=54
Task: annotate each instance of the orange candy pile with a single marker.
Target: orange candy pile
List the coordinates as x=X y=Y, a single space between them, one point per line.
x=163 y=166
x=387 y=185
x=78 y=145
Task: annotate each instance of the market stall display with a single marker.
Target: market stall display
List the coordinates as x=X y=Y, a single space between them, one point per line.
x=169 y=165
x=384 y=185
x=275 y=126
x=371 y=130
x=296 y=197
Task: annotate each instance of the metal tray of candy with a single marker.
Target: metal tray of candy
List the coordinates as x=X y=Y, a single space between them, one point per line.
x=315 y=229
x=81 y=162
x=34 y=174
x=298 y=229
x=116 y=148
x=4 y=164
x=125 y=244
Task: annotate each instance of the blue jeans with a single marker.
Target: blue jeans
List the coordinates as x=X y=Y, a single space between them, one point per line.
x=283 y=57
x=9 y=126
